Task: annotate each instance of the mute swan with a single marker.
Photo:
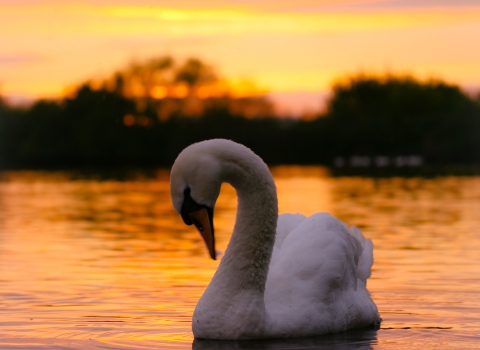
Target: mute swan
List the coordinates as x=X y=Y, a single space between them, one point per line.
x=293 y=277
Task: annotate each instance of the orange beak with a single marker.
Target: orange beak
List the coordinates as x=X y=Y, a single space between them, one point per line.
x=204 y=224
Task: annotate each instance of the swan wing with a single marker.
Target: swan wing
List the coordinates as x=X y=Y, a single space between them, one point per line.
x=286 y=223
x=316 y=280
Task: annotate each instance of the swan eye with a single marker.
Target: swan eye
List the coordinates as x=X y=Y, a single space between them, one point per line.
x=197 y=224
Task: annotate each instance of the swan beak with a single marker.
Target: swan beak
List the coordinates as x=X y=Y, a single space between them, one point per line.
x=203 y=221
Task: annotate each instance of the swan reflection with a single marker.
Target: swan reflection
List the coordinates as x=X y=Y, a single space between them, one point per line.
x=359 y=339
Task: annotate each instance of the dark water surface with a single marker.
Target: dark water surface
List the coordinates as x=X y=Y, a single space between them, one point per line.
x=103 y=262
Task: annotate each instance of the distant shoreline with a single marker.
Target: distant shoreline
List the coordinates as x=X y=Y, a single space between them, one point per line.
x=316 y=170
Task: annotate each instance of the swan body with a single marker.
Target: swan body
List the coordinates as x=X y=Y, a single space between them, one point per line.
x=281 y=276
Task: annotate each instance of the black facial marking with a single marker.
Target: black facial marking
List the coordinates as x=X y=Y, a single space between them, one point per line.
x=190 y=206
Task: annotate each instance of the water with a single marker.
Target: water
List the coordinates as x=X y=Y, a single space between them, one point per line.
x=102 y=261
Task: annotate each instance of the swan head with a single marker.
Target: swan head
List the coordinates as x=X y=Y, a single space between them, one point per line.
x=195 y=181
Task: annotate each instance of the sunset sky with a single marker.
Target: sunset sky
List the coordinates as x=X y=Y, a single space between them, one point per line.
x=294 y=49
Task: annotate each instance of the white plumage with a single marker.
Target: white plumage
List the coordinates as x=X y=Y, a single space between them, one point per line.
x=281 y=276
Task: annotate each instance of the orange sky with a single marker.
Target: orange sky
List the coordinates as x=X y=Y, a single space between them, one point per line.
x=295 y=49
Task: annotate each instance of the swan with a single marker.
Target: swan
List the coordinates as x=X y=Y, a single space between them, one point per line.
x=280 y=276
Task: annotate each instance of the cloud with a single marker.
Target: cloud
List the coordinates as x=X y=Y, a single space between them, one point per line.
x=270 y=6
x=392 y=5
x=7 y=59
x=187 y=22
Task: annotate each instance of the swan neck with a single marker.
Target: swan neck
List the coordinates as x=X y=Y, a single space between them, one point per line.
x=249 y=251
x=236 y=291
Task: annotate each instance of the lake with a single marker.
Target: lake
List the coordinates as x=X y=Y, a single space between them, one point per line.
x=102 y=261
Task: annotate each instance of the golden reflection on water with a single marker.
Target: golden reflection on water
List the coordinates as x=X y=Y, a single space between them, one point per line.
x=104 y=262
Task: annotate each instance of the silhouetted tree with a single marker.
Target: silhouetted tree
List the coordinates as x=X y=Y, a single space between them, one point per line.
x=194 y=72
x=103 y=127
x=400 y=115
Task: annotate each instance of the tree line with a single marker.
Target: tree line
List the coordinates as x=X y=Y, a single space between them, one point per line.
x=147 y=113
